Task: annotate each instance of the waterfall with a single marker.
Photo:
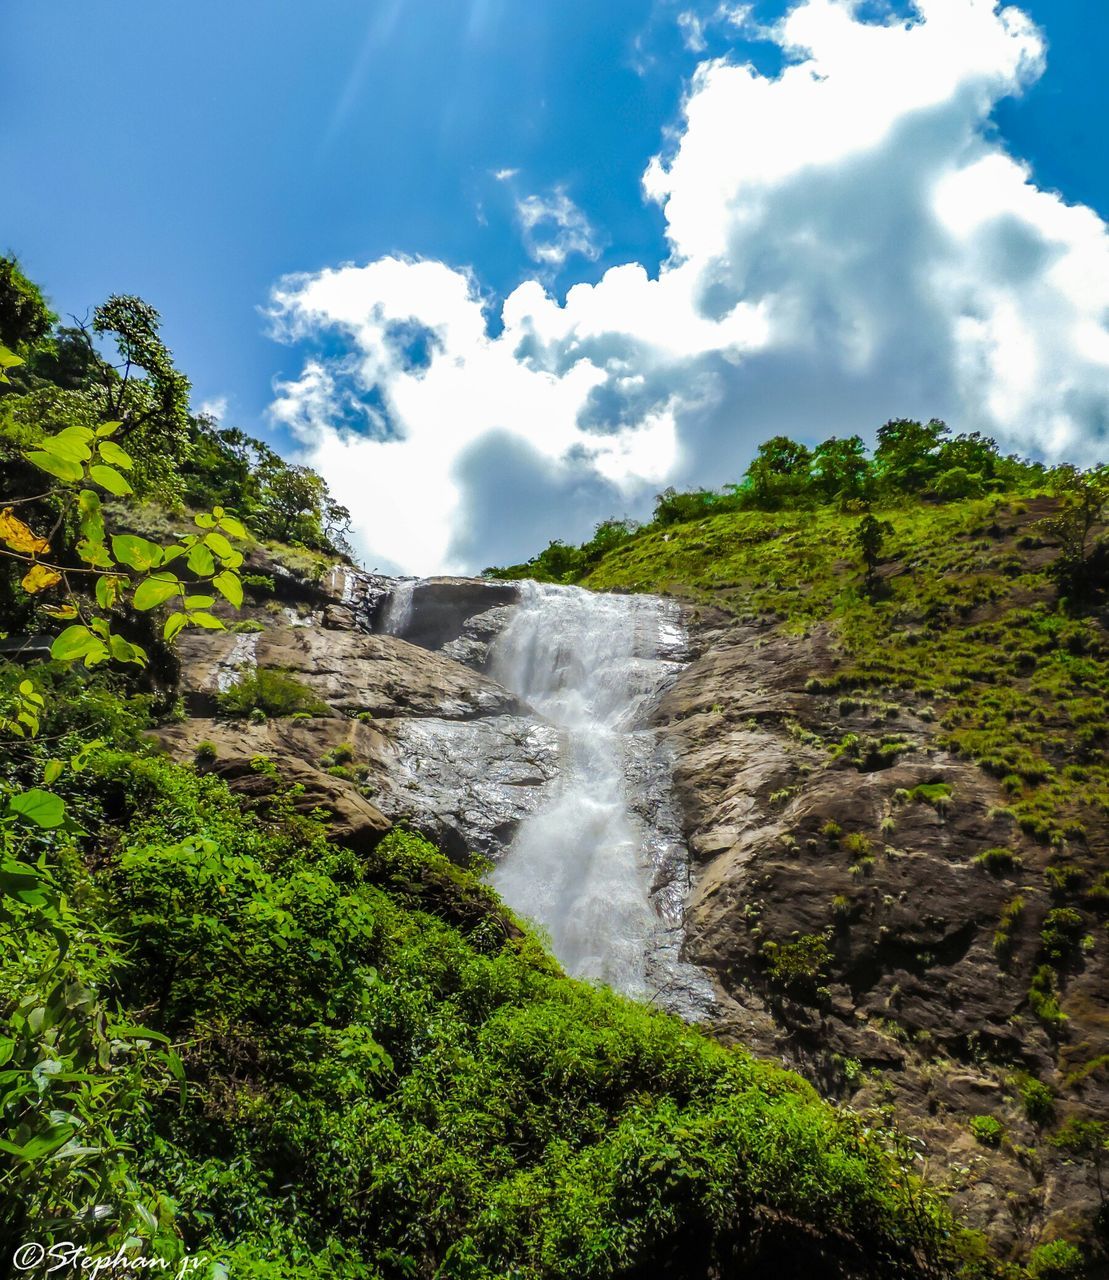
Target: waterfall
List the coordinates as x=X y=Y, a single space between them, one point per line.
x=601 y=867
x=398 y=611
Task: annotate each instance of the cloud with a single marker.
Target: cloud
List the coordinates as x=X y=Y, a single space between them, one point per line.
x=215 y=408
x=848 y=241
x=555 y=228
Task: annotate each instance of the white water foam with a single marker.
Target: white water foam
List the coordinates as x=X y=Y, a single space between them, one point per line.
x=602 y=867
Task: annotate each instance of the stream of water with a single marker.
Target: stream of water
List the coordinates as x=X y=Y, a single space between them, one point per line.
x=602 y=867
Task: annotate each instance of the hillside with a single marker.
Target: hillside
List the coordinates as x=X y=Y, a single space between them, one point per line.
x=894 y=782
x=252 y=1014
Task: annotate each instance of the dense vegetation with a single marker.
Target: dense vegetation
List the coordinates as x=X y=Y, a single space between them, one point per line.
x=228 y=1036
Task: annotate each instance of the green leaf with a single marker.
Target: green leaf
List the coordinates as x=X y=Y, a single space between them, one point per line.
x=174 y=623
x=156 y=590
x=8 y=360
x=53 y=771
x=204 y=521
x=112 y=453
x=200 y=560
x=42 y=1144
x=74 y=642
x=129 y=1031
x=135 y=552
x=199 y=602
x=63 y=468
x=92 y=518
x=95 y=554
x=234 y=527
x=72 y=444
x=124 y=651
x=43 y=808
x=110 y=479
x=108 y=589
x=108 y=429
x=208 y=621
x=230 y=587
x=220 y=545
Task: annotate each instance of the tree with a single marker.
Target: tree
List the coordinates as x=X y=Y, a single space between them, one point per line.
x=25 y=319
x=908 y=453
x=779 y=472
x=840 y=469
x=1082 y=568
x=870 y=535
x=291 y=503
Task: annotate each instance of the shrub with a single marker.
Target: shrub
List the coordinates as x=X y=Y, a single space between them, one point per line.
x=831 y=830
x=1061 y=935
x=997 y=861
x=1010 y=917
x=988 y=1130
x=205 y=752
x=1059 y=1260
x=799 y=964
x=259 y=584
x=274 y=693
x=857 y=845
x=1043 y=997
x=1037 y=1099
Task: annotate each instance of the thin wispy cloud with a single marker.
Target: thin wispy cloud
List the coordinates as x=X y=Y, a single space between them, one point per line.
x=554 y=228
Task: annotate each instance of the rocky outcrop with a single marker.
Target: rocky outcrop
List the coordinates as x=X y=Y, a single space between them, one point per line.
x=850 y=931
x=401 y=733
x=354 y=673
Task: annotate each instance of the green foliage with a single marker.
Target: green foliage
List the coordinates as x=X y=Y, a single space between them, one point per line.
x=997 y=861
x=1058 y=1260
x=1061 y=934
x=25 y=319
x=1037 y=1099
x=1043 y=997
x=383 y=1063
x=987 y=1130
x=276 y=693
x=799 y=964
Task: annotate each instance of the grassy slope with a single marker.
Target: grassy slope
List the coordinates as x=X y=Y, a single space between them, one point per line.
x=966 y=622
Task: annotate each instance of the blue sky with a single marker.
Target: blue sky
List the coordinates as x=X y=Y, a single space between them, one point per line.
x=198 y=154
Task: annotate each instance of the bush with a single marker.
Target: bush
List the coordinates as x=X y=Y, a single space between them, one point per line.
x=798 y=964
x=1011 y=915
x=1059 y=1260
x=997 y=861
x=1061 y=935
x=988 y=1130
x=274 y=693
x=1037 y=1099
x=205 y=753
x=1043 y=997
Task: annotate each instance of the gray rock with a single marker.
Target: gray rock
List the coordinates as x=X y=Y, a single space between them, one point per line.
x=468 y=784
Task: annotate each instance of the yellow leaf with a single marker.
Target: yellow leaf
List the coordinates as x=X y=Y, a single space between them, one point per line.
x=19 y=537
x=39 y=578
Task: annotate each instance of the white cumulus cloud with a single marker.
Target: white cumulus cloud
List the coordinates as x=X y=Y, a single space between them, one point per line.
x=849 y=241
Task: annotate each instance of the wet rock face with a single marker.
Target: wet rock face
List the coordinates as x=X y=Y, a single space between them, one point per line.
x=444 y=611
x=423 y=737
x=354 y=673
x=896 y=993
x=469 y=784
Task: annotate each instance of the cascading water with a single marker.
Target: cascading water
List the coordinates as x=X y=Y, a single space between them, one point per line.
x=602 y=867
x=398 y=613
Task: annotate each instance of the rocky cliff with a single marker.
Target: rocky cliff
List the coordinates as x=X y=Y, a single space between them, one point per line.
x=846 y=902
